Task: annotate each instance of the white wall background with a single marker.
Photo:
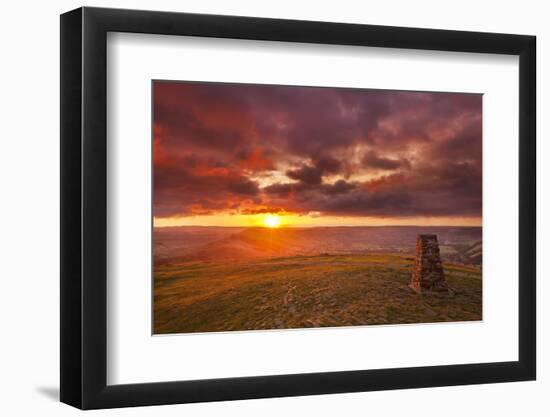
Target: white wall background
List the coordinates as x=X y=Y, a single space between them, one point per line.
x=29 y=237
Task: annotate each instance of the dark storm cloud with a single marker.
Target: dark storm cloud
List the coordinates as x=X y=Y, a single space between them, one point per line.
x=339 y=187
x=244 y=186
x=306 y=174
x=198 y=186
x=244 y=148
x=373 y=160
x=313 y=174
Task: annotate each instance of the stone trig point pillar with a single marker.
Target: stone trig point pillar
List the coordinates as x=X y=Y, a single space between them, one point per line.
x=428 y=272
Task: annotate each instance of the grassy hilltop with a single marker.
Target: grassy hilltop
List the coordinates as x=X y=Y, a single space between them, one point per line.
x=306 y=291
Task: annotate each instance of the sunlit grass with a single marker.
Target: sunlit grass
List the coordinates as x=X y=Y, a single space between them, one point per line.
x=306 y=291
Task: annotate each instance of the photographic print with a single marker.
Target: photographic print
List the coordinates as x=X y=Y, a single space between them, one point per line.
x=290 y=207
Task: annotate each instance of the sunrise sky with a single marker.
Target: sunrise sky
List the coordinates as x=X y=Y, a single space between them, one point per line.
x=251 y=155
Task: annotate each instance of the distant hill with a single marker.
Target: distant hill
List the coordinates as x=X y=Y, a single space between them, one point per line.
x=258 y=243
x=474 y=253
x=181 y=244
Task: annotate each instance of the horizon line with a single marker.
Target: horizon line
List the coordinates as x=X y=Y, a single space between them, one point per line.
x=297 y=226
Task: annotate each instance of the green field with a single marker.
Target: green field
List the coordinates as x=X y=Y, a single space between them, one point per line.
x=306 y=291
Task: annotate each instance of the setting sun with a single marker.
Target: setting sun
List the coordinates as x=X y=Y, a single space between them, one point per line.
x=272 y=221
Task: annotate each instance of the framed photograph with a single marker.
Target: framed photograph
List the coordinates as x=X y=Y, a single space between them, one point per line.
x=259 y=208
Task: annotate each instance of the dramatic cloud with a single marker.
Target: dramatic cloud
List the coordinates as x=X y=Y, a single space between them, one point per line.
x=314 y=174
x=251 y=149
x=373 y=160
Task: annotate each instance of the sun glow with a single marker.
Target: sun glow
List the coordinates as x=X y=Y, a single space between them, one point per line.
x=308 y=220
x=272 y=221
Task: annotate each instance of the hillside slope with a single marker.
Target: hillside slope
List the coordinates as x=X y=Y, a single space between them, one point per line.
x=306 y=291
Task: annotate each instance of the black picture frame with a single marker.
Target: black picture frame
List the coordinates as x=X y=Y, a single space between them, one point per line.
x=84 y=207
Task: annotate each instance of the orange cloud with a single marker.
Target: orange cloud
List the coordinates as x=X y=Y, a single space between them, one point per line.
x=255 y=160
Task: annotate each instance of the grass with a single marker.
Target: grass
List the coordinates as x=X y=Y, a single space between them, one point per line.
x=306 y=291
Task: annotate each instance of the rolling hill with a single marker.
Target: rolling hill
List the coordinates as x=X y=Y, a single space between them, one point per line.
x=173 y=245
